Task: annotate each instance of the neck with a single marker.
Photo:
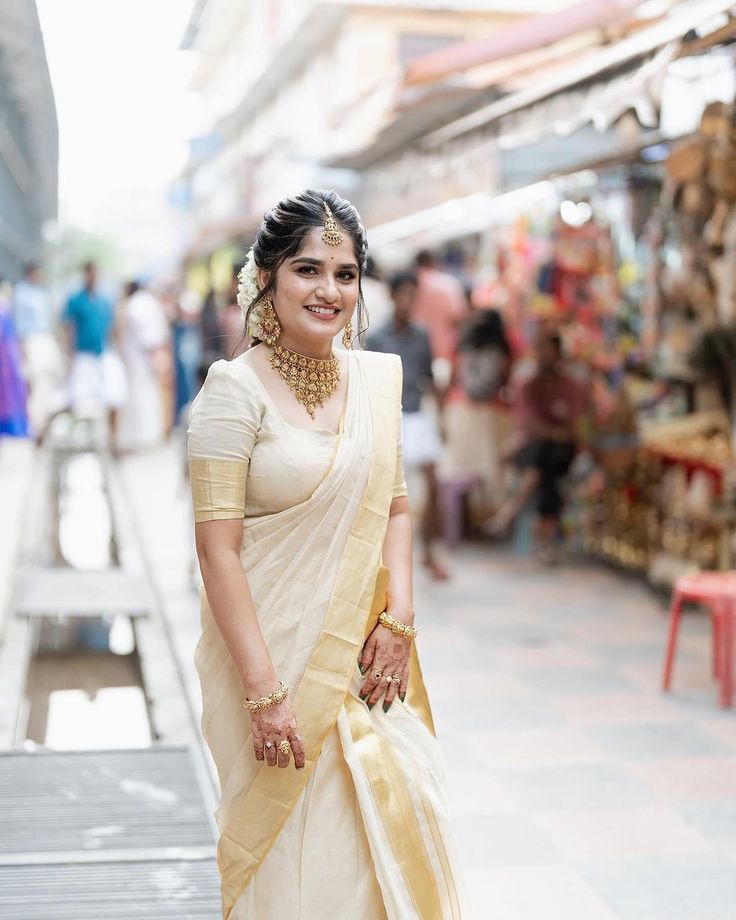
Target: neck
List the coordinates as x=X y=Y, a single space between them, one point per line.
x=322 y=351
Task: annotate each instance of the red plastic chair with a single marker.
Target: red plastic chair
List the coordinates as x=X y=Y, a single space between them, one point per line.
x=717 y=591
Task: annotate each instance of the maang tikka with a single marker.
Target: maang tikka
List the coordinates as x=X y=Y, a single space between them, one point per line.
x=331 y=233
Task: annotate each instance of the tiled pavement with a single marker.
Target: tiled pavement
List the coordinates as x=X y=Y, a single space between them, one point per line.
x=578 y=790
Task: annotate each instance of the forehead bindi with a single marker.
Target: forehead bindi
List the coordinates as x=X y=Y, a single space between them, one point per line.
x=316 y=249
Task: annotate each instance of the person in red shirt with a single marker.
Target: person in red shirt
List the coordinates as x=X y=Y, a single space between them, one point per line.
x=440 y=306
x=549 y=407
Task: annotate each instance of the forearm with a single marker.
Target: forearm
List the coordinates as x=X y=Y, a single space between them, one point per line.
x=234 y=613
x=397 y=557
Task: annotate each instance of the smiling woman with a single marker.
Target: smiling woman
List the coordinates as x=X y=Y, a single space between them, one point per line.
x=301 y=514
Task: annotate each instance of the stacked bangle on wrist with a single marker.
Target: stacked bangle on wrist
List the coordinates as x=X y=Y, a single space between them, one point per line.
x=278 y=696
x=396 y=626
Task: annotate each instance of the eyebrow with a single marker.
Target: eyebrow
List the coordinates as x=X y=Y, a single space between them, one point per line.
x=309 y=261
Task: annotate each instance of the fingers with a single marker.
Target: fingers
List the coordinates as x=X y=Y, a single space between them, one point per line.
x=297 y=746
x=284 y=753
x=258 y=745
x=367 y=655
x=270 y=748
x=372 y=683
x=391 y=689
x=404 y=685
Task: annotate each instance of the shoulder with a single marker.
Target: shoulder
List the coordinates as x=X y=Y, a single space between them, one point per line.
x=231 y=382
x=378 y=361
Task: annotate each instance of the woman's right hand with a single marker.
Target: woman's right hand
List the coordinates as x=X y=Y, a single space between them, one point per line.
x=276 y=724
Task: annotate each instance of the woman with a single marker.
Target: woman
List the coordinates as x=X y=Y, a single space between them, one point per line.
x=299 y=496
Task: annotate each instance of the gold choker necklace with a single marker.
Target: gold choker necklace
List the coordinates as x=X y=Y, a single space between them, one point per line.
x=313 y=380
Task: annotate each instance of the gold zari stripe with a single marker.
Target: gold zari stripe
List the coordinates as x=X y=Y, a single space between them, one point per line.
x=218 y=489
x=388 y=786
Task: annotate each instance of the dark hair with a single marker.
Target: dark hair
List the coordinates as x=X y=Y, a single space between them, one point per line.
x=282 y=233
x=424 y=258
x=399 y=279
x=486 y=328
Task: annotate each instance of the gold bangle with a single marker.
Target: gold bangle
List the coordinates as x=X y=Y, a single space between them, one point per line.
x=278 y=696
x=396 y=626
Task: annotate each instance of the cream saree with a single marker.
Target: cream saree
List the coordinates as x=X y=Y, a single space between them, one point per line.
x=362 y=832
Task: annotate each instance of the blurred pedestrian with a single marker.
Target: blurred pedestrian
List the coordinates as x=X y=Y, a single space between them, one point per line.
x=13 y=416
x=213 y=341
x=34 y=321
x=420 y=434
x=377 y=296
x=143 y=333
x=97 y=376
x=549 y=409
x=477 y=422
x=440 y=306
x=187 y=343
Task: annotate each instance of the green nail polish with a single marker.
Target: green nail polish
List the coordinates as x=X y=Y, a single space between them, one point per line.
x=370 y=705
x=402 y=697
x=386 y=707
x=361 y=669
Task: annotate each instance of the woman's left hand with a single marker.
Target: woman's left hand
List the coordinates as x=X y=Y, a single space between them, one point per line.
x=384 y=654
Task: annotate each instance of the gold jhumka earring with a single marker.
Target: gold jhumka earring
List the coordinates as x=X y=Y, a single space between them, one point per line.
x=331 y=234
x=347 y=335
x=268 y=328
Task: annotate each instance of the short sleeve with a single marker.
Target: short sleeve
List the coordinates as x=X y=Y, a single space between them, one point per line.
x=223 y=427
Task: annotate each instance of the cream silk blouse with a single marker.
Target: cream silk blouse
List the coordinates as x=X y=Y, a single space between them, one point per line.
x=245 y=459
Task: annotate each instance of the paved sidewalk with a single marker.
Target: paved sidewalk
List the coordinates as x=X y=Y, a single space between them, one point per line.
x=578 y=791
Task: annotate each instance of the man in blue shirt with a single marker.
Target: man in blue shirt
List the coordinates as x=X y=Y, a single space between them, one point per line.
x=97 y=379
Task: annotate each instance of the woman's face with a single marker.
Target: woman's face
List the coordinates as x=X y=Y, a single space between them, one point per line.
x=316 y=292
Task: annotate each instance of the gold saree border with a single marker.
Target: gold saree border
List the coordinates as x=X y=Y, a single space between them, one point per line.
x=387 y=783
x=257 y=815
x=218 y=488
x=441 y=850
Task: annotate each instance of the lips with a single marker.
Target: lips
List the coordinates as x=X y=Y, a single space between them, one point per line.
x=320 y=310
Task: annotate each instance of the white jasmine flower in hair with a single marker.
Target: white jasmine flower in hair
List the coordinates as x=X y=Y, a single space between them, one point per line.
x=247 y=285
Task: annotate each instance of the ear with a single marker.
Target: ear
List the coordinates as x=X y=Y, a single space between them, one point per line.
x=262 y=277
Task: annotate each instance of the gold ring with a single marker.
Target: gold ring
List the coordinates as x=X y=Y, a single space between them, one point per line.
x=390 y=679
x=397 y=678
x=377 y=674
x=284 y=748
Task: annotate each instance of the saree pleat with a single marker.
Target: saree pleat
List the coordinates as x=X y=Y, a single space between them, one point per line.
x=312 y=573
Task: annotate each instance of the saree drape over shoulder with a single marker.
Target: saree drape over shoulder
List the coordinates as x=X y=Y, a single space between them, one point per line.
x=362 y=832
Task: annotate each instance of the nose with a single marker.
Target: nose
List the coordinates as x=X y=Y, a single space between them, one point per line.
x=327 y=290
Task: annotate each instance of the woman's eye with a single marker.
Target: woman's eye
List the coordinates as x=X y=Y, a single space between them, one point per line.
x=346 y=276
x=307 y=268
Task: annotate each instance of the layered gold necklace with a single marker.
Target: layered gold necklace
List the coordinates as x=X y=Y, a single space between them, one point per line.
x=312 y=380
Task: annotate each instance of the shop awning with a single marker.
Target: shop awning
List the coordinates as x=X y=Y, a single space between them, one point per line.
x=618 y=57
x=531 y=34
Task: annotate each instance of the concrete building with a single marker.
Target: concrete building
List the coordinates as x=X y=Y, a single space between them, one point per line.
x=292 y=86
x=29 y=145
